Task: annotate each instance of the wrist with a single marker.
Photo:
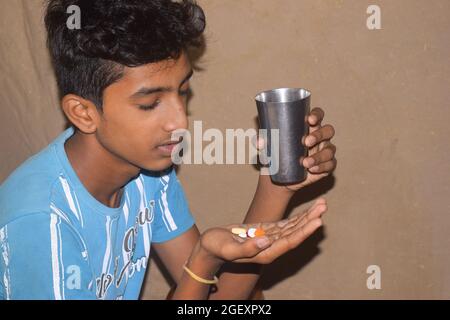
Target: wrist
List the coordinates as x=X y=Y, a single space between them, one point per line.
x=266 y=184
x=203 y=263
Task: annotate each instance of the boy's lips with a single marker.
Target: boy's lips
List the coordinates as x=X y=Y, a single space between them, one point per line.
x=171 y=142
x=168 y=146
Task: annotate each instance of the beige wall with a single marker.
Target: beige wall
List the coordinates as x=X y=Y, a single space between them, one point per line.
x=385 y=91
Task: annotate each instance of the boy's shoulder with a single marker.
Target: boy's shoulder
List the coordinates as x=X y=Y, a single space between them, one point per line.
x=28 y=189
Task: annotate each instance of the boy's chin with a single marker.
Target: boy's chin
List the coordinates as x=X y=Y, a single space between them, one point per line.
x=161 y=165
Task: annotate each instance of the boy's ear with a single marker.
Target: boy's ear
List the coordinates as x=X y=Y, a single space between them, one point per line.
x=82 y=113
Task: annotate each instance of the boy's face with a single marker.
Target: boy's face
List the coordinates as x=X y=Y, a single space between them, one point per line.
x=141 y=111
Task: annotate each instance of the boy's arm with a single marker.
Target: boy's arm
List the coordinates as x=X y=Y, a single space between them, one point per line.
x=183 y=249
x=239 y=285
x=270 y=202
x=174 y=253
x=219 y=244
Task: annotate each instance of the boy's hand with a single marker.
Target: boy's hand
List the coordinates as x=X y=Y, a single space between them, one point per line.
x=321 y=159
x=279 y=238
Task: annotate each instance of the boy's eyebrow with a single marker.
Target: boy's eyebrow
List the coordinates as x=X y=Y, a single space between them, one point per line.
x=146 y=91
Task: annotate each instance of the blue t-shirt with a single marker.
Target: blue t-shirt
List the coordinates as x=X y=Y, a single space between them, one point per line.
x=58 y=242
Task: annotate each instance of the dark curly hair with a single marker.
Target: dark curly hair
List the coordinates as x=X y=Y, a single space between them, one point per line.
x=116 y=33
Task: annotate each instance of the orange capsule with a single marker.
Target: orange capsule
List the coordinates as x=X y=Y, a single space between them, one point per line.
x=259 y=233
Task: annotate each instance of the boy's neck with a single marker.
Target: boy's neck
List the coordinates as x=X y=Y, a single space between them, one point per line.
x=101 y=173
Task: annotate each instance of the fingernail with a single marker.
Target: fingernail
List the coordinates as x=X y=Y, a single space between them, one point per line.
x=262 y=242
x=314 y=169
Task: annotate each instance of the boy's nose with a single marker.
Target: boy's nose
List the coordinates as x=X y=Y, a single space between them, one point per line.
x=177 y=118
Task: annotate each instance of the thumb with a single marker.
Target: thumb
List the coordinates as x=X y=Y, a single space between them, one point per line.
x=251 y=247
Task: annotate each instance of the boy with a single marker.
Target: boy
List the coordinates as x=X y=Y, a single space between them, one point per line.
x=79 y=219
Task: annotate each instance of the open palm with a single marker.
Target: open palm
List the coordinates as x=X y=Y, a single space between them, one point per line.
x=279 y=238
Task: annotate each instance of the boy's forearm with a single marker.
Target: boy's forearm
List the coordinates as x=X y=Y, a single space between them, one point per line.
x=237 y=281
x=269 y=203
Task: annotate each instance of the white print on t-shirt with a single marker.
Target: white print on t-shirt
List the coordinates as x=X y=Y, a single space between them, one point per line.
x=143 y=220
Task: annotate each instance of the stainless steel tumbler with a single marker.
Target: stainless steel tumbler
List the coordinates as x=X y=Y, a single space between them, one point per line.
x=285 y=109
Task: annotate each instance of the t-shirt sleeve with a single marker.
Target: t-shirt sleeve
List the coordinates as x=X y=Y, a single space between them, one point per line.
x=43 y=257
x=172 y=215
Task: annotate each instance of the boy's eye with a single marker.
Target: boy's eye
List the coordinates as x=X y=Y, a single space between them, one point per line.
x=149 y=107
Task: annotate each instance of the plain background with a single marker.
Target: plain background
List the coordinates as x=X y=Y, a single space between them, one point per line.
x=385 y=91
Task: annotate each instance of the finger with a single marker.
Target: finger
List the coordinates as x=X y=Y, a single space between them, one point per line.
x=317 y=212
x=292 y=222
x=315 y=117
x=287 y=223
x=247 y=249
x=301 y=234
x=319 y=205
x=284 y=244
x=316 y=203
x=322 y=156
x=326 y=167
x=273 y=233
x=274 y=225
x=258 y=142
x=316 y=123
x=323 y=133
x=287 y=231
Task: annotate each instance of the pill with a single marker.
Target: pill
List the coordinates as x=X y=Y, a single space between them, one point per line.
x=259 y=233
x=238 y=230
x=243 y=235
x=254 y=232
